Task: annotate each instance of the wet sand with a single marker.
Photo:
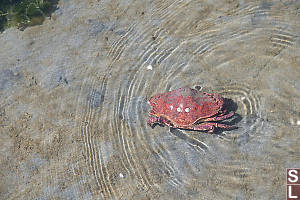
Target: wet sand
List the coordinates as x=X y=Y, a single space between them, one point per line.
x=74 y=91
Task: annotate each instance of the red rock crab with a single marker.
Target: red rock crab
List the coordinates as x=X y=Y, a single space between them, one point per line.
x=187 y=108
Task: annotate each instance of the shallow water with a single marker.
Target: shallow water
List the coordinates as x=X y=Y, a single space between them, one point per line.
x=74 y=93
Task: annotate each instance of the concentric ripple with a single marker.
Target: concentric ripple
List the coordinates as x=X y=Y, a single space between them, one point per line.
x=248 y=113
x=124 y=156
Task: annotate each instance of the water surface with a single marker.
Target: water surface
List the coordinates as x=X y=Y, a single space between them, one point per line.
x=74 y=93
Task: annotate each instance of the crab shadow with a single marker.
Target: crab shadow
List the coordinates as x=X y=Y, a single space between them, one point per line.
x=230 y=106
x=191 y=141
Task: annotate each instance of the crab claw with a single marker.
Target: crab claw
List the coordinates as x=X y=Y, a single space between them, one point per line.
x=151 y=121
x=150 y=124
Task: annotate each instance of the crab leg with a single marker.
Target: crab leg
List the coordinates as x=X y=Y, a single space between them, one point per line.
x=159 y=120
x=209 y=126
x=152 y=120
x=219 y=118
x=165 y=121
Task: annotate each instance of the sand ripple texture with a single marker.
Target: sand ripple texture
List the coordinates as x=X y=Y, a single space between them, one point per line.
x=74 y=91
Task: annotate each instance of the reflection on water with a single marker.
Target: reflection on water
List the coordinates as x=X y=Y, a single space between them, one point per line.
x=247 y=52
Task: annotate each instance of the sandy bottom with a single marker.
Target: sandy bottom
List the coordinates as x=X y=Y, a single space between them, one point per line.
x=74 y=91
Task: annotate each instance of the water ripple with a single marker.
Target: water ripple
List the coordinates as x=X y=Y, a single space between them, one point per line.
x=177 y=51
